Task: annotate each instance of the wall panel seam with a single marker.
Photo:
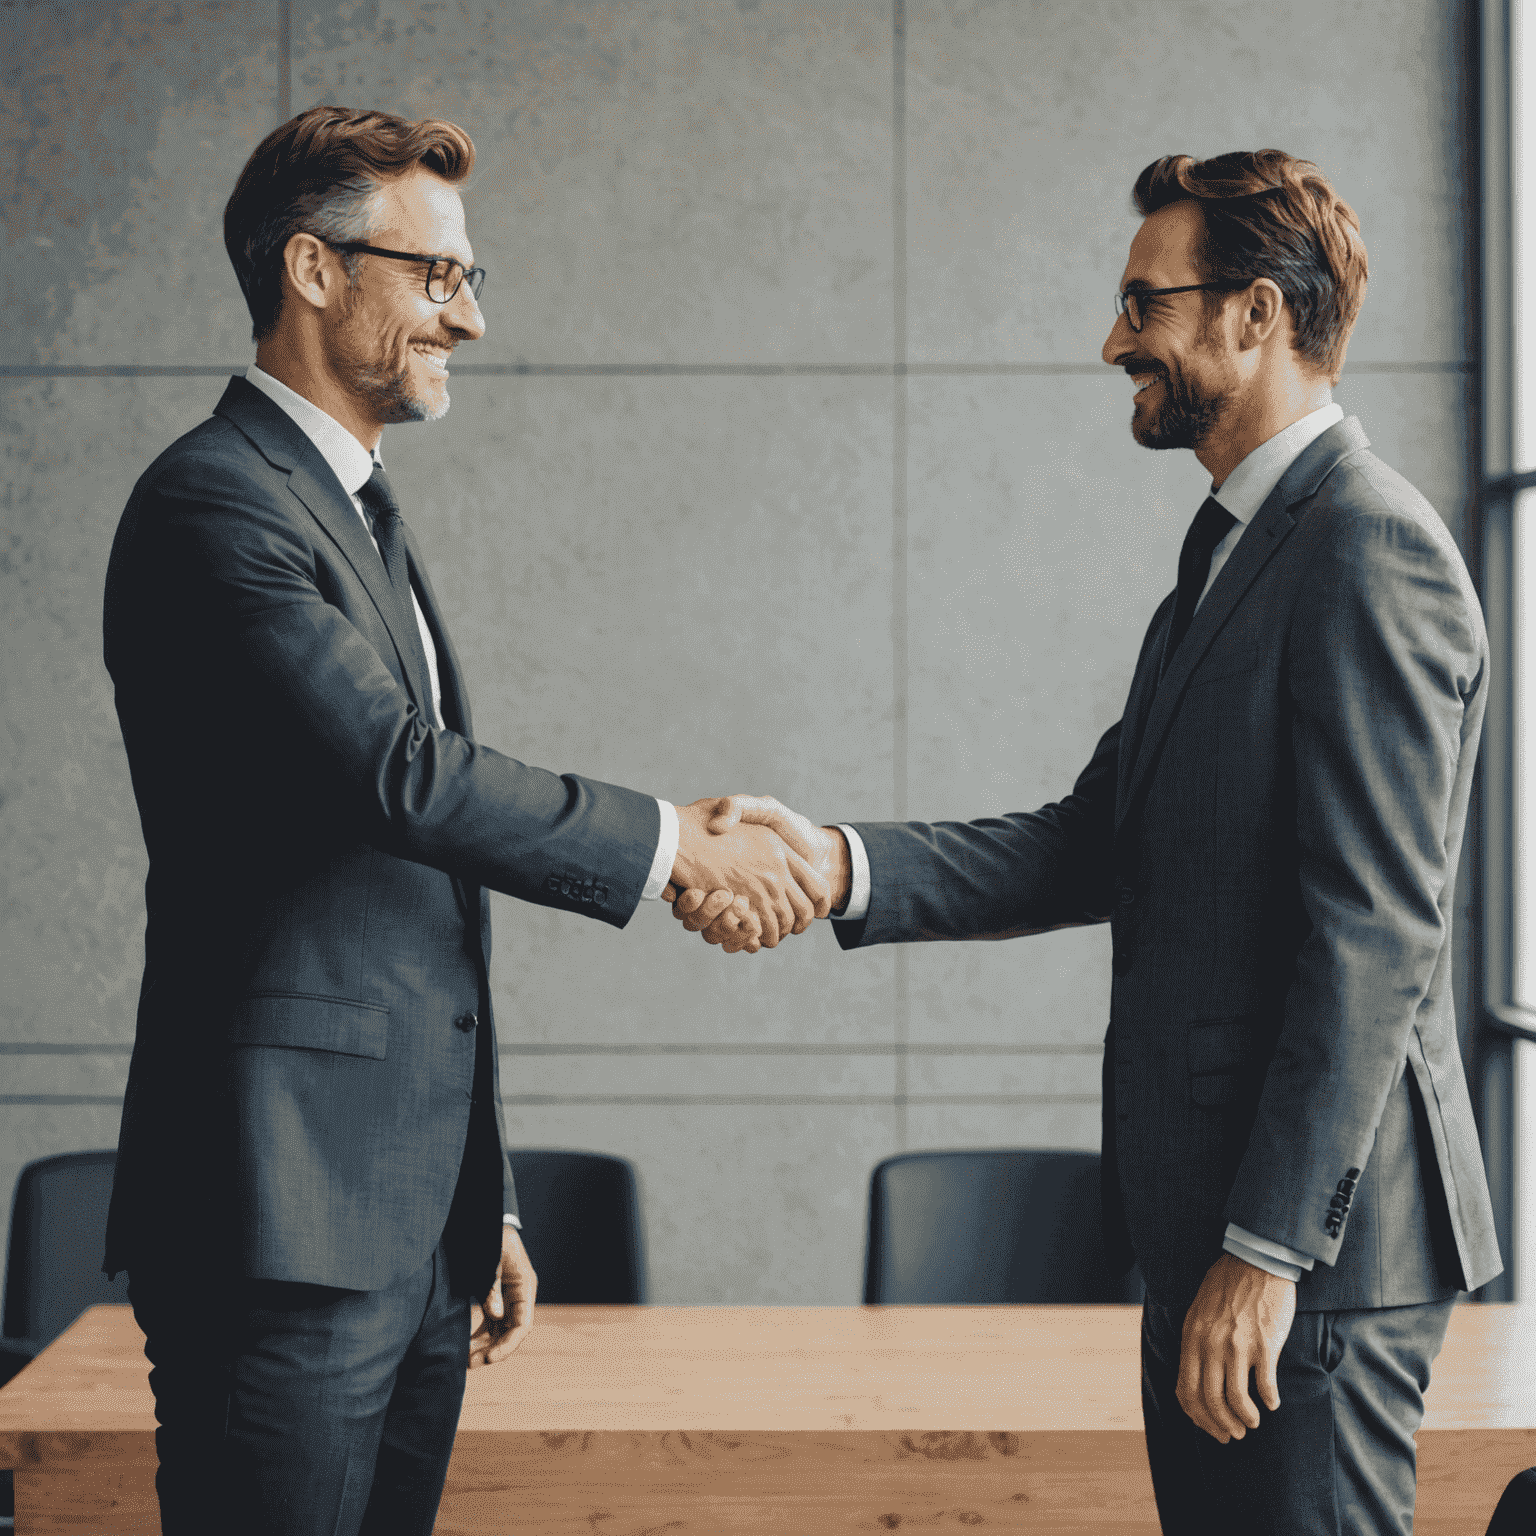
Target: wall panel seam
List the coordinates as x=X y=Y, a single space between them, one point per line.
x=897 y=371
x=900 y=669
x=587 y=1048
x=642 y=1100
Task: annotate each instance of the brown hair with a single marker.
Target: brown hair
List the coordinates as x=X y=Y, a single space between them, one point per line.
x=1268 y=214
x=318 y=174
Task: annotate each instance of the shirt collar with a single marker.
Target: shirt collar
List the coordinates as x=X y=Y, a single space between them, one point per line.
x=350 y=462
x=1246 y=489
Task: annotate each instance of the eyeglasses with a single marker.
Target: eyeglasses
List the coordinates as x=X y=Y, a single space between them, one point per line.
x=444 y=274
x=1129 y=303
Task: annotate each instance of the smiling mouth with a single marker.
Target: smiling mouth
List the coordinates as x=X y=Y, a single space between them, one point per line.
x=436 y=358
x=1143 y=381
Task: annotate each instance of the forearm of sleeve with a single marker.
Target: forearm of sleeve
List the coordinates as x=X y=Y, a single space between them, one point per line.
x=1384 y=652
x=995 y=878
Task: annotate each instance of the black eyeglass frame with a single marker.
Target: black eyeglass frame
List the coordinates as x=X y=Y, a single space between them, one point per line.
x=476 y=275
x=1124 y=296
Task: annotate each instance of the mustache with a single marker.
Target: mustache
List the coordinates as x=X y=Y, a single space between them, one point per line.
x=450 y=342
x=1133 y=363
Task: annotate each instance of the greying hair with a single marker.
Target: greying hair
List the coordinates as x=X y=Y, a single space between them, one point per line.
x=321 y=174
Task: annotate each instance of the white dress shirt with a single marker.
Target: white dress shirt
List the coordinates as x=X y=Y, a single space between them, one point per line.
x=1242 y=493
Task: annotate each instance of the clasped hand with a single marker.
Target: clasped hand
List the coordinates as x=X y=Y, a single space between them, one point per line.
x=750 y=871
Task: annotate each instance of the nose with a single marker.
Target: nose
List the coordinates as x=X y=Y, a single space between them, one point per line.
x=1121 y=339
x=463 y=316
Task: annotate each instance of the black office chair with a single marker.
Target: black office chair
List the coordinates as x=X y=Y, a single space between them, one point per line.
x=581 y=1225
x=1516 y=1511
x=53 y=1269
x=976 y=1227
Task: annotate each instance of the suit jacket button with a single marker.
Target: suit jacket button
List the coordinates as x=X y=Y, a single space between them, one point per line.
x=466 y=1022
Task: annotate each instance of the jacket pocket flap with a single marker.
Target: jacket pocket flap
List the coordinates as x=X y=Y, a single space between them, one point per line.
x=306 y=1021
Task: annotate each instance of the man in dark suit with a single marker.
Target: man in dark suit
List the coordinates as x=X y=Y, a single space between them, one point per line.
x=313 y=1200
x=1272 y=830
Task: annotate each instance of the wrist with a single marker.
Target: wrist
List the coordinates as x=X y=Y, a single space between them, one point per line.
x=840 y=875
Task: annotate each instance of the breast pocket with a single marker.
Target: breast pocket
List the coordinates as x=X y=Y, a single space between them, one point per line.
x=311 y=1022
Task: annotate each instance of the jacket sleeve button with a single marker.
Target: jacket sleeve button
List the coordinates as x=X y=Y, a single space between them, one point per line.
x=466 y=1022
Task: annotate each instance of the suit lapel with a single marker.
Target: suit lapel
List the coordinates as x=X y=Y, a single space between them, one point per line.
x=455 y=698
x=285 y=445
x=1138 y=703
x=450 y=677
x=1267 y=531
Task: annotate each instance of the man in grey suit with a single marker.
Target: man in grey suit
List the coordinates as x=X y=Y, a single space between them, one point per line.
x=1272 y=830
x=312 y=1197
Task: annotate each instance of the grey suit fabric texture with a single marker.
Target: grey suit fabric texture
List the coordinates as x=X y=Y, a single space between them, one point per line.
x=1337 y=1458
x=314 y=1092
x=1272 y=832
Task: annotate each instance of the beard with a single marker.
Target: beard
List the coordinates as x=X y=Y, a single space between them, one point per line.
x=1186 y=417
x=382 y=383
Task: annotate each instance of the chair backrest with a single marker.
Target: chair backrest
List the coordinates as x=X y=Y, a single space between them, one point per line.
x=1516 y=1512
x=581 y=1225
x=989 y=1226
x=58 y=1233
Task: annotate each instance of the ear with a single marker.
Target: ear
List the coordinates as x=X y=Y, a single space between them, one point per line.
x=1264 y=313
x=312 y=271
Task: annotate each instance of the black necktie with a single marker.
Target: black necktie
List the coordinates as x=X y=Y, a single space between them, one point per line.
x=388 y=526
x=1211 y=525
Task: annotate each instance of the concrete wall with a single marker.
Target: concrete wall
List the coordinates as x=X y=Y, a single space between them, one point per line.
x=787 y=464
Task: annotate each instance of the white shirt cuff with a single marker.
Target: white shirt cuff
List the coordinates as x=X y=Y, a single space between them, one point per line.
x=1265 y=1253
x=509 y=1220
x=666 y=853
x=858 y=879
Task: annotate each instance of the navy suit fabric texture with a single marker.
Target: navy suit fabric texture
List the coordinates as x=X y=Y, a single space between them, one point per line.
x=1272 y=831
x=314 y=1092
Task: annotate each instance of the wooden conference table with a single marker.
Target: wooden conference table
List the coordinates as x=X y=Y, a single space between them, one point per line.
x=795 y=1421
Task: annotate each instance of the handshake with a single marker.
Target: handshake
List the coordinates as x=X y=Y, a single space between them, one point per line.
x=750 y=872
